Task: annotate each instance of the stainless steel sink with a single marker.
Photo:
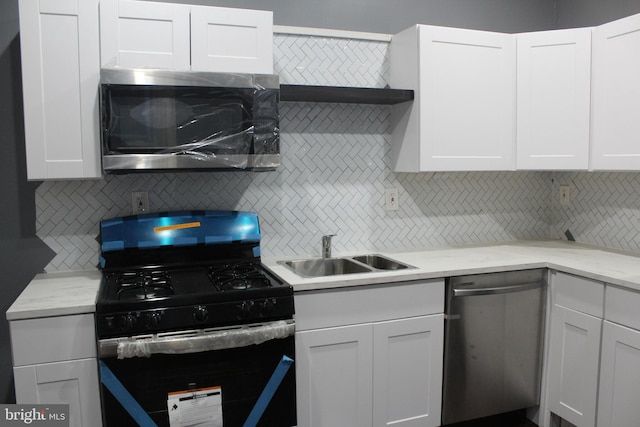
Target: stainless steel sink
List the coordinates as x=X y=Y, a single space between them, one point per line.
x=319 y=267
x=380 y=263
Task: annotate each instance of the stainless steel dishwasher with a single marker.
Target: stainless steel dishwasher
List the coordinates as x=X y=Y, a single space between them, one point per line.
x=493 y=343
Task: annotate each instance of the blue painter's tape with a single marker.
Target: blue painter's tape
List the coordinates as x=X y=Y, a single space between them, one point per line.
x=116 y=245
x=217 y=239
x=185 y=241
x=123 y=396
x=256 y=251
x=268 y=392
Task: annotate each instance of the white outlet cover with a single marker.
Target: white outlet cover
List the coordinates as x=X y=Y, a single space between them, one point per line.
x=391 y=199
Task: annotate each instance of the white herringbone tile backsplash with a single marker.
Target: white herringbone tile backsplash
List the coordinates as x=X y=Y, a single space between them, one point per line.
x=604 y=208
x=335 y=168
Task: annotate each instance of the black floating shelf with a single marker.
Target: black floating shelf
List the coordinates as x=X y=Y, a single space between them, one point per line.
x=347 y=95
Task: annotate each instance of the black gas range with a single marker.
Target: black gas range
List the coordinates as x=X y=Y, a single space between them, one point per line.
x=186 y=310
x=183 y=270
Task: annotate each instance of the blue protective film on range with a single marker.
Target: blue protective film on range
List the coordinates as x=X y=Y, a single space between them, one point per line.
x=185 y=228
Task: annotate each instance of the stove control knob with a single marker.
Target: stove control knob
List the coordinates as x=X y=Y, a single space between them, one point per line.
x=245 y=309
x=200 y=313
x=129 y=321
x=109 y=322
x=268 y=305
x=153 y=319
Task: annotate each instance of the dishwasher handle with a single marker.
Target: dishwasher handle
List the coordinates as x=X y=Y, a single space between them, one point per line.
x=494 y=290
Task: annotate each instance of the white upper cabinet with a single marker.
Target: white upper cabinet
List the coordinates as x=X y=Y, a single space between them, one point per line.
x=60 y=75
x=553 y=92
x=233 y=40
x=616 y=95
x=141 y=34
x=138 y=34
x=463 y=115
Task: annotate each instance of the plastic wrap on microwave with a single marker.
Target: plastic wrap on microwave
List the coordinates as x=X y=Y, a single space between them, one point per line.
x=201 y=341
x=189 y=127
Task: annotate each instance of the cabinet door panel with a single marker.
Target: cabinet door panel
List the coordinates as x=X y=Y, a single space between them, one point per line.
x=74 y=383
x=407 y=366
x=616 y=100
x=619 y=377
x=334 y=376
x=140 y=34
x=467 y=99
x=554 y=90
x=231 y=40
x=60 y=75
x=573 y=365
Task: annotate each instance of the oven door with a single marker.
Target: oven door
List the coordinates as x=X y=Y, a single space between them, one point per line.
x=239 y=362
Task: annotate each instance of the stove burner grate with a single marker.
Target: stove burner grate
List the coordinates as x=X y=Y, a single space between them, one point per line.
x=234 y=277
x=144 y=285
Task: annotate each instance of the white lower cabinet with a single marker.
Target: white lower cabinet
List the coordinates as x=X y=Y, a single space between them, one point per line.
x=574 y=348
x=407 y=371
x=74 y=383
x=620 y=360
x=619 y=377
x=55 y=362
x=378 y=359
x=334 y=368
x=573 y=366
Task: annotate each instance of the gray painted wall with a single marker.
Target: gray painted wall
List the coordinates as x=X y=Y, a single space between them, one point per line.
x=586 y=13
x=384 y=16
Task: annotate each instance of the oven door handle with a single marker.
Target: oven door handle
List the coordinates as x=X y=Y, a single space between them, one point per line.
x=195 y=341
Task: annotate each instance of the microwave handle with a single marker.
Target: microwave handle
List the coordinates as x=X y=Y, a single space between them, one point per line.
x=195 y=341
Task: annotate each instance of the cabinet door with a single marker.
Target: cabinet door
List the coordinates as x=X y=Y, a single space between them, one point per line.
x=467 y=99
x=619 y=377
x=407 y=371
x=60 y=76
x=616 y=100
x=141 y=34
x=573 y=359
x=553 y=107
x=334 y=376
x=231 y=40
x=74 y=383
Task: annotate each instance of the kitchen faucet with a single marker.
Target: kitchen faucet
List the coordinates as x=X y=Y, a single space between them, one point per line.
x=326 y=245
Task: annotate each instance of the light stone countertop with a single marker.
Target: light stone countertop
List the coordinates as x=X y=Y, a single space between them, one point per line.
x=610 y=266
x=57 y=294
x=65 y=293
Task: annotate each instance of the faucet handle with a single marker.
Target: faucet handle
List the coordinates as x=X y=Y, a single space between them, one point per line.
x=326 y=245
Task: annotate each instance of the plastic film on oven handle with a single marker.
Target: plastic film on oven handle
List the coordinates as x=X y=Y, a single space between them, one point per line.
x=196 y=341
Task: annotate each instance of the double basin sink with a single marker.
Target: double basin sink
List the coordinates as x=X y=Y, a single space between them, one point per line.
x=321 y=267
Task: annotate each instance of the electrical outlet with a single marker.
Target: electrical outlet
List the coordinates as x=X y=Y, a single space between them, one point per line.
x=565 y=195
x=391 y=199
x=139 y=202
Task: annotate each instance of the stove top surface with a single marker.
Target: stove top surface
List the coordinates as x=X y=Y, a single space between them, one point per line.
x=134 y=302
x=155 y=286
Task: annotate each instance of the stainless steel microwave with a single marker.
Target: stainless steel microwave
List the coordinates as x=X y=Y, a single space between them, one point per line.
x=155 y=120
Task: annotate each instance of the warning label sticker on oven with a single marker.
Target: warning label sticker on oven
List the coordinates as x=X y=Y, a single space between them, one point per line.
x=200 y=407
